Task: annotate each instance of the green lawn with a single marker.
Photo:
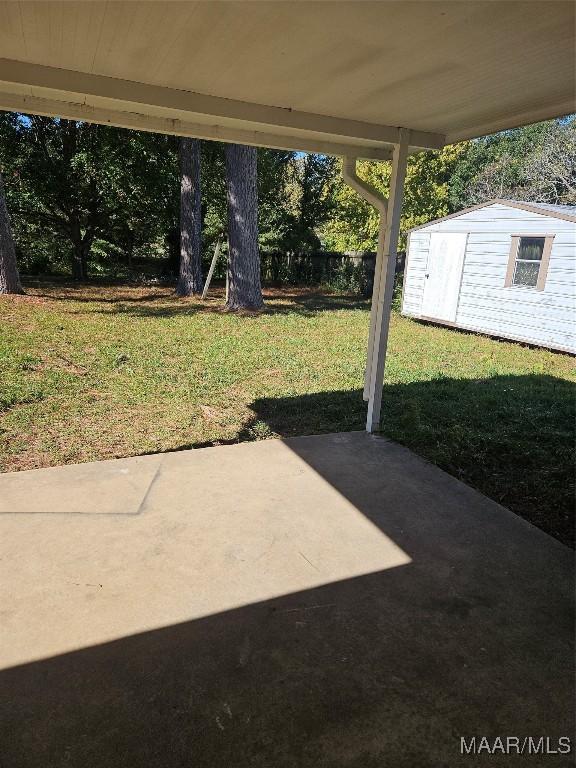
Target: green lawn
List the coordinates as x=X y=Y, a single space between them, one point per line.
x=94 y=373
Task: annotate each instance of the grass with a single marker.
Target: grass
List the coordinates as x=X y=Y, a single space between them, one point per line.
x=100 y=372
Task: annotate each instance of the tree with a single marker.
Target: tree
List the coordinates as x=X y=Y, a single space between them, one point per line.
x=550 y=173
x=244 y=289
x=311 y=181
x=190 y=275
x=536 y=162
x=275 y=211
x=354 y=224
x=78 y=191
x=9 y=277
x=106 y=200
x=275 y=219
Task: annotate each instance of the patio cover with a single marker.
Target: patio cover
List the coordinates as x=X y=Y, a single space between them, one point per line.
x=327 y=77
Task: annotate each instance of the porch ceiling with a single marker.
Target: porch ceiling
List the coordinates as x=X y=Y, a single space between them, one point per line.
x=335 y=77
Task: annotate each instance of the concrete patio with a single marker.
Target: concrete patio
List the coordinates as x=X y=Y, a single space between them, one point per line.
x=316 y=601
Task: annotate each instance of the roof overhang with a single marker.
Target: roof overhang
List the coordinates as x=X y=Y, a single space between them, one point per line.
x=36 y=89
x=339 y=78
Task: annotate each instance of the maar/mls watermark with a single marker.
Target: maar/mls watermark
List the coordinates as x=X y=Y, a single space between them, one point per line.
x=515 y=745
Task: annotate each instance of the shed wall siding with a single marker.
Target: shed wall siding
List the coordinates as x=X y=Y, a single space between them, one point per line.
x=544 y=317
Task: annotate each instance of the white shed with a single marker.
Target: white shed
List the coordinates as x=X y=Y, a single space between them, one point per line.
x=505 y=268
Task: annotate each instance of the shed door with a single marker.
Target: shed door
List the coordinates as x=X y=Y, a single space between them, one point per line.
x=443 y=273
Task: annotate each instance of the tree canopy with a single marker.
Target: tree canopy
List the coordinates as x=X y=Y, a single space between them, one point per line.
x=80 y=192
x=536 y=162
x=84 y=196
x=353 y=225
x=92 y=198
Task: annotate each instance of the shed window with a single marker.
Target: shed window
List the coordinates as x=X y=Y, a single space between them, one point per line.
x=528 y=259
x=528 y=265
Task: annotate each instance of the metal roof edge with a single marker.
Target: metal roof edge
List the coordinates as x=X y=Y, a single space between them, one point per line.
x=522 y=205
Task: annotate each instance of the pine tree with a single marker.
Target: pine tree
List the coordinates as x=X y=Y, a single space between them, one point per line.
x=244 y=288
x=190 y=276
x=9 y=277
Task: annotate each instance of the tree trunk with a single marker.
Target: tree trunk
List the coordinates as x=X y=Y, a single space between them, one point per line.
x=9 y=277
x=84 y=253
x=79 y=255
x=130 y=249
x=244 y=289
x=79 y=261
x=190 y=276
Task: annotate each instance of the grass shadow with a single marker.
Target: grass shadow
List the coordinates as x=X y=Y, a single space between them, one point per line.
x=140 y=301
x=511 y=437
x=300 y=305
x=87 y=299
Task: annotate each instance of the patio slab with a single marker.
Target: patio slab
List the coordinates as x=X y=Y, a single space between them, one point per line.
x=319 y=601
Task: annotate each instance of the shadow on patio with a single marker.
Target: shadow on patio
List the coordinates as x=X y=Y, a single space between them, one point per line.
x=349 y=605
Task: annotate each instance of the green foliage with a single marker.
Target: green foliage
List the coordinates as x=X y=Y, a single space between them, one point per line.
x=536 y=162
x=310 y=191
x=354 y=224
x=397 y=294
x=348 y=277
x=79 y=192
x=105 y=200
x=330 y=270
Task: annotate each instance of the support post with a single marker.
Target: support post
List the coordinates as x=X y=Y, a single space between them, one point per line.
x=212 y=267
x=375 y=198
x=382 y=302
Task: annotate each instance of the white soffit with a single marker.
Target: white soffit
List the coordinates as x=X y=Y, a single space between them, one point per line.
x=339 y=78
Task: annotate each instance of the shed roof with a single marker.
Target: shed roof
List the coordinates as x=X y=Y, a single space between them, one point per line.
x=334 y=77
x=551 y=208
x=566 y=212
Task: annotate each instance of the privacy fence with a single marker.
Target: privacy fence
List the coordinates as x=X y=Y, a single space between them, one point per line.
x=341 y=271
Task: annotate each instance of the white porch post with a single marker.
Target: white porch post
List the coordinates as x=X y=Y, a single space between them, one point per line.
x=384 y=285
x=375 y=198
